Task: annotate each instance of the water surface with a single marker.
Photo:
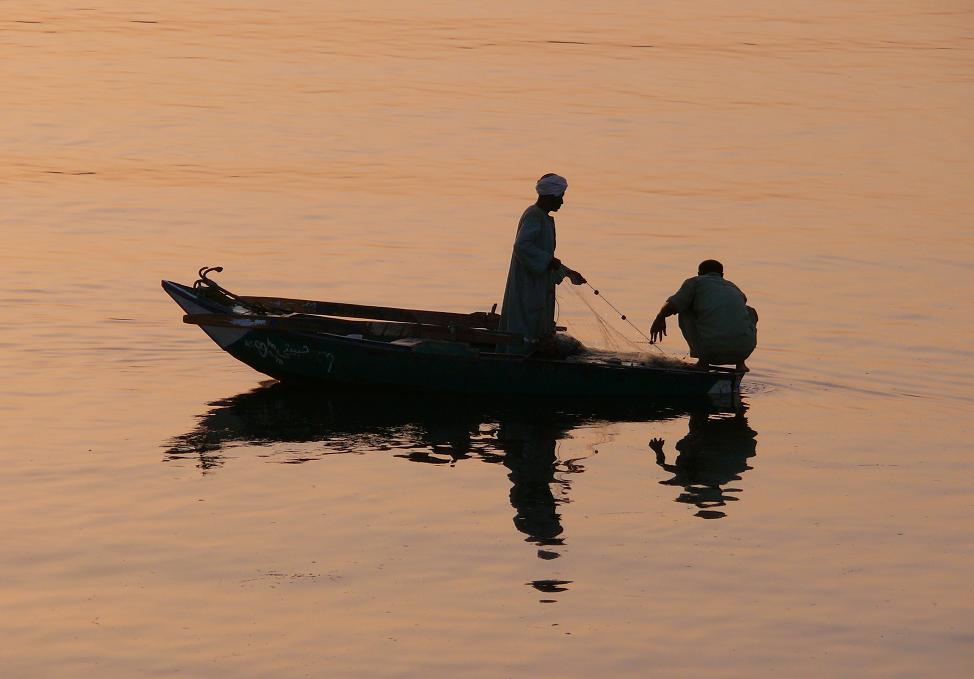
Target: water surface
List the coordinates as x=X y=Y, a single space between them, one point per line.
x=165 y=512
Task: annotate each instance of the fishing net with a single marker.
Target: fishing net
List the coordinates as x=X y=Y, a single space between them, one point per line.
x=612 y=339
x=617 y=348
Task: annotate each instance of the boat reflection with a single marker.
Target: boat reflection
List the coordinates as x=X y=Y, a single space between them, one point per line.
x=518 y=435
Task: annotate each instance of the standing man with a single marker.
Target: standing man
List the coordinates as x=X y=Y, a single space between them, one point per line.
x=529 y=298
x=716 y=322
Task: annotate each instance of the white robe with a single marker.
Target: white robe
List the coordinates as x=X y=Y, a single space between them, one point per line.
x=529 y=298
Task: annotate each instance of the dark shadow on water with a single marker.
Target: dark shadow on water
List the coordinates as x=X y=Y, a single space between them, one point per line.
x=522 y=436
x=713 y=454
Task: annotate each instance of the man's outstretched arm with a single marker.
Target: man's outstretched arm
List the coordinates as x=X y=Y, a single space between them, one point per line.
x=572 y=275
x=658 y=329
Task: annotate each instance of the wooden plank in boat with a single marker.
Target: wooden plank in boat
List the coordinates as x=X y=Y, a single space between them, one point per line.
x=340 y=326
x=477 y=319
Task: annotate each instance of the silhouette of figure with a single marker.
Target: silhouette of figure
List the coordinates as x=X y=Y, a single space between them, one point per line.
x=712 y=454
x=529 y=448
x=717 y=323
x=528 y=308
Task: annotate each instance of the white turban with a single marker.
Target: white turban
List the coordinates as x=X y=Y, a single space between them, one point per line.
x=551 y=185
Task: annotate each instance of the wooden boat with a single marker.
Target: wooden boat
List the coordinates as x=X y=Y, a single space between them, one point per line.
x=357 y=347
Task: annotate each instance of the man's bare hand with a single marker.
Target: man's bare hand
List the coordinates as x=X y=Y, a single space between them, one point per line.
x=658 y=329
x=576 y=278
x=657 y=445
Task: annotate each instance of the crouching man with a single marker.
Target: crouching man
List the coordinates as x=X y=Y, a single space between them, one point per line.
x=718 y=325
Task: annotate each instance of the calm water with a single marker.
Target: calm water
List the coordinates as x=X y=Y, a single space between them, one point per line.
x=166 y=512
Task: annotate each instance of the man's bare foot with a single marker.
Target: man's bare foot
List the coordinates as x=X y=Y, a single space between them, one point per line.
x=741 y=368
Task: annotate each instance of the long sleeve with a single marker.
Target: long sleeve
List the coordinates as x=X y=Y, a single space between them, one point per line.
x=528 y=247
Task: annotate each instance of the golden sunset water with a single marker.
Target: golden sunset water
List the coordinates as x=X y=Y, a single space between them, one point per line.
x=165 y=512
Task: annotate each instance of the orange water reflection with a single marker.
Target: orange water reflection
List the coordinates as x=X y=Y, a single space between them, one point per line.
x=381 y=154
x=521 y=435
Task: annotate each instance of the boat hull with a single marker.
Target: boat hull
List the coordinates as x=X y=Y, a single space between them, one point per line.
x=352 y=363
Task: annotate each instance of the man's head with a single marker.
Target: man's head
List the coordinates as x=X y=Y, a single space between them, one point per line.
x=710 y=266
x=551 y=192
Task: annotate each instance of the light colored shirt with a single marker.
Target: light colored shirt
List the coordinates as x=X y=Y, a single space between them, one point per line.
x=718 y=308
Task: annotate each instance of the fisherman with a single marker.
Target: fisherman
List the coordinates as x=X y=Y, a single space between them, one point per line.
x=716 y=322
x=529 y=298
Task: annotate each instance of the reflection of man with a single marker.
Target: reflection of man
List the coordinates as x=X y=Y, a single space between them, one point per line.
x=530 y=456
x=712 y=454
x=529 y=298
x=716 y=322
